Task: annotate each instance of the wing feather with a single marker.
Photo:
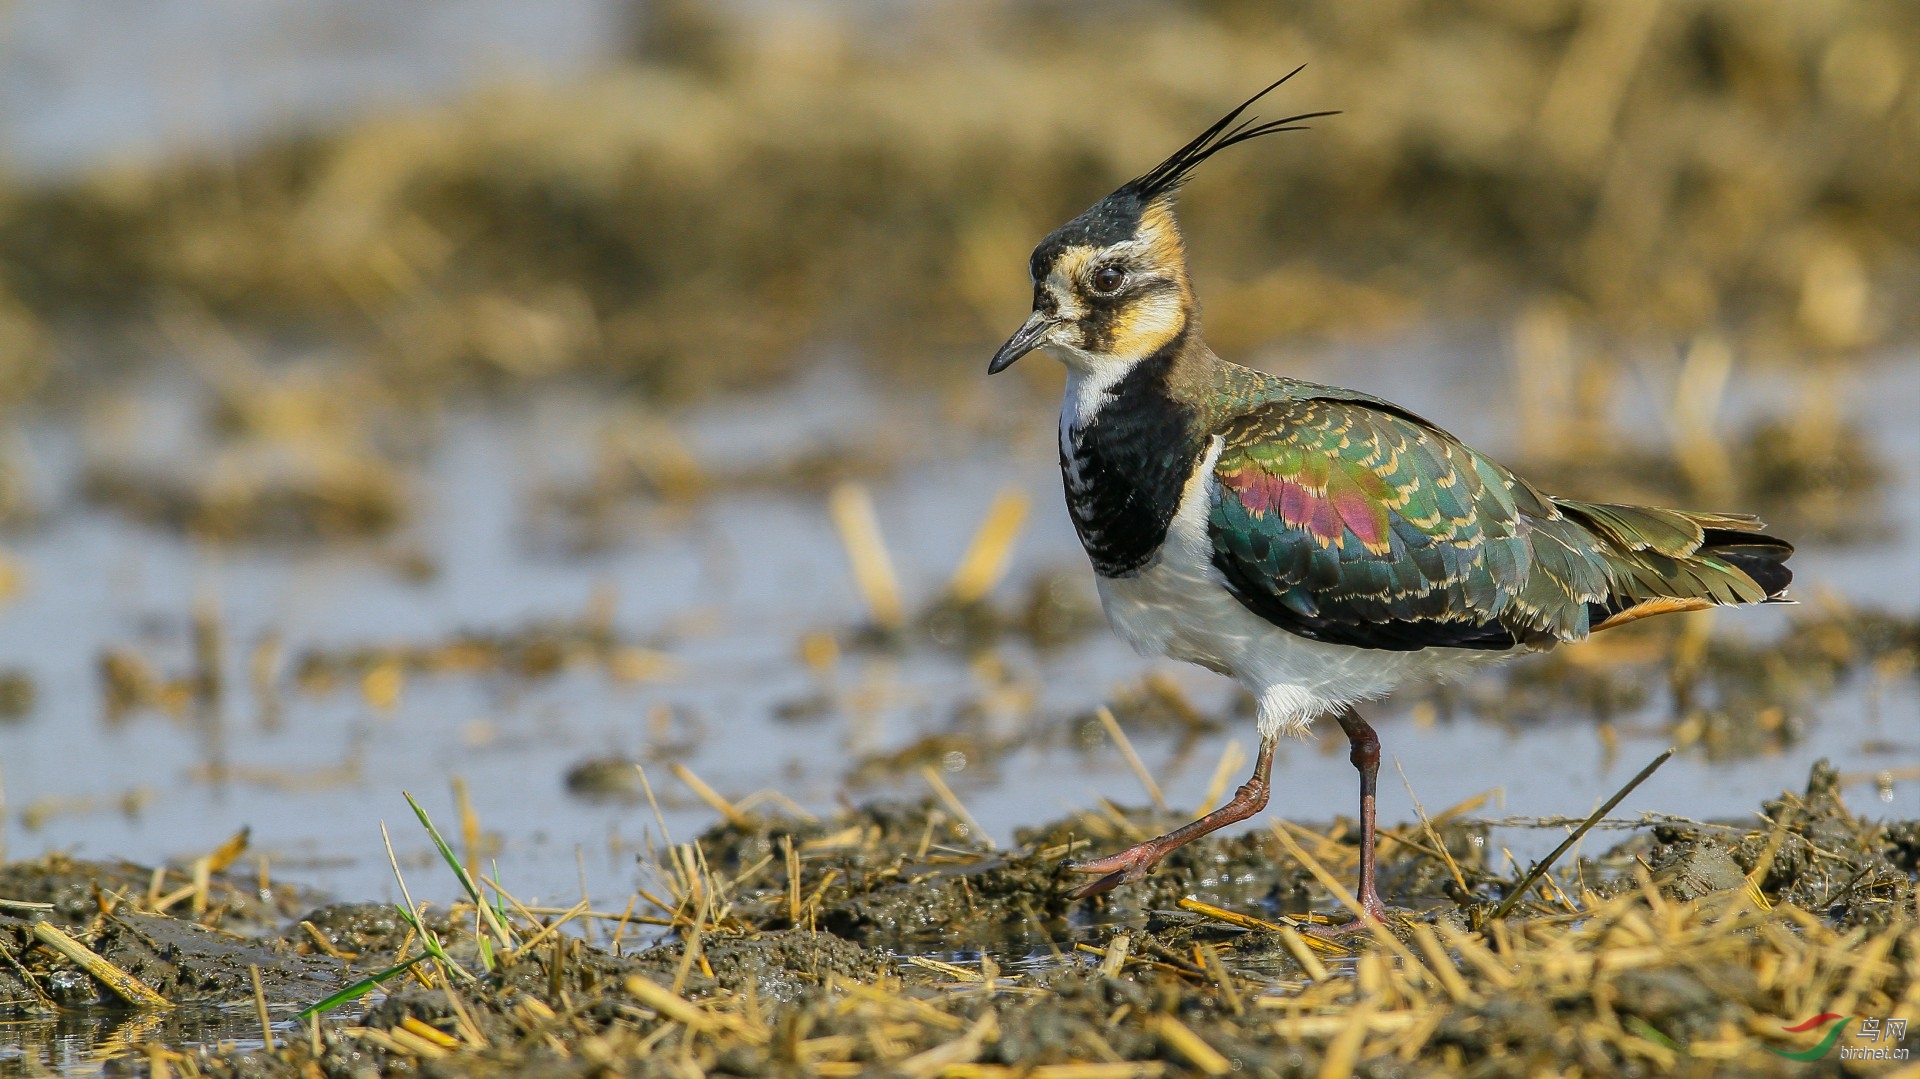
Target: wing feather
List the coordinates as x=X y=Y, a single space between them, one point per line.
x=1347 y=519
x=1353 y=523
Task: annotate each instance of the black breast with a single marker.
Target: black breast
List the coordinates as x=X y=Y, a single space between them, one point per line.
x=1125 y=470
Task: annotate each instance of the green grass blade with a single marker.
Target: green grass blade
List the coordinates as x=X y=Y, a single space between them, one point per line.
x=494 y=922
x=358 y=989
x=431 y=943
x=1651 y=1033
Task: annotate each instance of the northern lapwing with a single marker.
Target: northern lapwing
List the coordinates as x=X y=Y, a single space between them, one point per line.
x=1321 y=546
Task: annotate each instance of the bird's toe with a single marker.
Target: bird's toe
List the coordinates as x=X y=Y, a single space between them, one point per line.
x=1099 y=887
x=1114 y=870
x=1112 y=863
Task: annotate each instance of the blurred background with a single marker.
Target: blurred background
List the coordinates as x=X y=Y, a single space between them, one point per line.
x=480 y=399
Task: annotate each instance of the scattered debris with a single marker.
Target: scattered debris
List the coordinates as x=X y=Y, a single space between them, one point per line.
x=1708 y=941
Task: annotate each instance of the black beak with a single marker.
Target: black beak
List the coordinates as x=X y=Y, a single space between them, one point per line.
x=1022 y=342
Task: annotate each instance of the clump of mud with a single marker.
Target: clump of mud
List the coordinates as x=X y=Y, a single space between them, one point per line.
x=892 y=939
x=534 y=651
x=1711 y=687
x=291 y=452
x=1811 y=851
x=178 y=942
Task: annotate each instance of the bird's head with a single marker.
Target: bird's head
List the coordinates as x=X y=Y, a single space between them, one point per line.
x=1110 y=286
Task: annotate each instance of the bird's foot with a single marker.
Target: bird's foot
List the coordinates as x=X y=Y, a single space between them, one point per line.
x=1114 y=870
x=1375 y=912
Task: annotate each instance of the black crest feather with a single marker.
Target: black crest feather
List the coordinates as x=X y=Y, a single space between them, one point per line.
x=1229 y=130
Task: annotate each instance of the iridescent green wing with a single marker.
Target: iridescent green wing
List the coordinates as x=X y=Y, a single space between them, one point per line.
x=1349 y=521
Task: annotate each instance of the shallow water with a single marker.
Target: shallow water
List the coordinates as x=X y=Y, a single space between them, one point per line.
x=129 y=81
x=726 y=589
x=81 y=1041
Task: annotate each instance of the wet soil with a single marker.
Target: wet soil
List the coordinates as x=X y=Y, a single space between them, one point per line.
x=240 y=422
x=891 y=939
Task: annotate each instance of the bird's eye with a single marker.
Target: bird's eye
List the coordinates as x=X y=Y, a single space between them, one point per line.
x=1108 y=278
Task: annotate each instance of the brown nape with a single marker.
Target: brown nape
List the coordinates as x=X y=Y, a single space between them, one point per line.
x=1152 y=312
x=1166 y=248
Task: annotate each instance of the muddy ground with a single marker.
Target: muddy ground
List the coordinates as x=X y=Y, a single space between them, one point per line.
x=1653 y=216
x=888 y=940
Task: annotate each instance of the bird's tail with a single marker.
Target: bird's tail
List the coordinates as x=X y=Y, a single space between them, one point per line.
x=1660 y=561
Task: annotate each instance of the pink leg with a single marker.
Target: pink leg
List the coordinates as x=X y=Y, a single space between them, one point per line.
x=1132 y=864
x=1366 y=758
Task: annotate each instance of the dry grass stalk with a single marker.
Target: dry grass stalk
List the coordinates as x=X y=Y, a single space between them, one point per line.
x=985 y=561
x=955 y=805
x=469 y=824
x=1232 y=759
x=1209 y=958
x=202 y=877
x=1577 y=977
x=670 y=1005
x=653 y=803
x=961 y=1050
x=429 y=1034
x=470 y=1031
x=1116 y=956
x=222 y=857
x=1190 y=1046
x=1540 y=868
x=1300 y=946
x=1441 y=964
x=1120 y=739
x=852 y=510
x=1343 y=1050
x=260 y=1007
x=958 y=973
x=1439 y=845
x=1698 y=446
x=793 y=878
x=1247 y=921
x=124 y=985
x=554 y=926
x=710 y=796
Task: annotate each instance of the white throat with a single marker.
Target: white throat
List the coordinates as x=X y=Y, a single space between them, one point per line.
x=1090 y=382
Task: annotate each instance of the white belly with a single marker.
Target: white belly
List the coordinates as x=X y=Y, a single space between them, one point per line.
x=1179 y=607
